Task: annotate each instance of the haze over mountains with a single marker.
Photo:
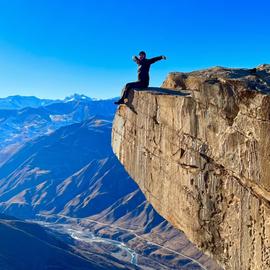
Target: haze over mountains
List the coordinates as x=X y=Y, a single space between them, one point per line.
x=26 y=117
x=19 y=102
x=58 y=169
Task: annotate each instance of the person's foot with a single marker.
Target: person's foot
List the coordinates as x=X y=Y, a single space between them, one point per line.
x=119 y=102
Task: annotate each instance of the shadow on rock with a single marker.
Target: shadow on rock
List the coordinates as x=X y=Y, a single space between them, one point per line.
x=129 y=102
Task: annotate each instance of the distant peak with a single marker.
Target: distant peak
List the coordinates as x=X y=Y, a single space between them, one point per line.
x=77 y=97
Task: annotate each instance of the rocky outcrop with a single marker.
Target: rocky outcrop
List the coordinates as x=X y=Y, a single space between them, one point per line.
x=203 y=159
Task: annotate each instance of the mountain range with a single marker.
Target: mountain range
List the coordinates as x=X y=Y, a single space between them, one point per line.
x=17 y=126
x=64 y=172
x=17 y=102
x=69 y=181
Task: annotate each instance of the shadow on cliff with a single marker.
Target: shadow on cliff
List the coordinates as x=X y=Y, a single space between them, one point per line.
x=130 y=100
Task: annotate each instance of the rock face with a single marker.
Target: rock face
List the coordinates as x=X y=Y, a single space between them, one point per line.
x=203 y=159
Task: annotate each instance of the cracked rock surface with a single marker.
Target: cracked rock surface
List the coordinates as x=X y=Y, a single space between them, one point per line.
x=203 y=160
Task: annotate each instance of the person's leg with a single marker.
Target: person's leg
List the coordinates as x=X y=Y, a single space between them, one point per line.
x=123 y=94
x=126 y=90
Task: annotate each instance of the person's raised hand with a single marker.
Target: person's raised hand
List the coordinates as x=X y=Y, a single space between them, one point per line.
x=164 y=57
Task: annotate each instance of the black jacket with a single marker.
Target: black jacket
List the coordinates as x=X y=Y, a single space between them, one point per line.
x=144 y=67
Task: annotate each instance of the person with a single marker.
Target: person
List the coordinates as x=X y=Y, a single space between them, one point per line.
x=143 y=74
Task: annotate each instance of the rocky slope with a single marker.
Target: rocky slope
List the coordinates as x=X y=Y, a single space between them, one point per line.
x=203 y=160
x=71 y=177
x=64 y=172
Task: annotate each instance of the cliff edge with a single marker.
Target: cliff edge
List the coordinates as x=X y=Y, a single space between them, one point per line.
x=202 y=159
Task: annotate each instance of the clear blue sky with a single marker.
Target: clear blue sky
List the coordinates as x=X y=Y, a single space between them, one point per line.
x=53 y=48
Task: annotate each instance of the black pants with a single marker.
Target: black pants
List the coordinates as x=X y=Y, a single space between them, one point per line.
x=131 y=85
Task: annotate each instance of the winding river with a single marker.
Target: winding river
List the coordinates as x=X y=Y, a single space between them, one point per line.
x=127 y=254
x=89 y=237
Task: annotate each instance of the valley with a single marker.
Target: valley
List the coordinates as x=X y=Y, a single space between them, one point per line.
x=70 y=183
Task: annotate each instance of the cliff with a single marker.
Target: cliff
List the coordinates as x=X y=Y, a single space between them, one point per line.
x=203 y=159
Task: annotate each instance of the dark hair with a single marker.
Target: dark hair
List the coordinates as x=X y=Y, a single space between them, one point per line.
x=142 y=52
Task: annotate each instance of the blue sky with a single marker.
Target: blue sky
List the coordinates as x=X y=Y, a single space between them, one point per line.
x=53 y=48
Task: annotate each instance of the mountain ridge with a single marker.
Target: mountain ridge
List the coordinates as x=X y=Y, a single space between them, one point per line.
x=22 y=125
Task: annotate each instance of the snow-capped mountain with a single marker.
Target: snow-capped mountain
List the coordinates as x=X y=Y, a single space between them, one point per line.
x=77 y=97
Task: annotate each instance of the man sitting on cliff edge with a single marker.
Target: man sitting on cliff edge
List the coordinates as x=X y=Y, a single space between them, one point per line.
x=143 y=74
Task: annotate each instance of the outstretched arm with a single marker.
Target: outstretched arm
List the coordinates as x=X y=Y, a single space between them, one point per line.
x=155 y=59
x=136 y=59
